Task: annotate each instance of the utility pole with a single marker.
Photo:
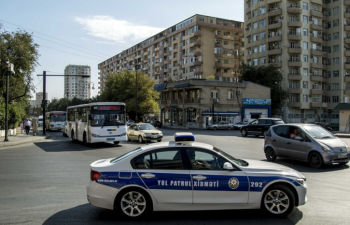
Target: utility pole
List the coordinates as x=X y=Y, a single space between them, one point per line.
x=9 y=70
x=44 y=101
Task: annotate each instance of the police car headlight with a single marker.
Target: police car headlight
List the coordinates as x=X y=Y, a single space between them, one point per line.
x=326 y=148
x=302 y=181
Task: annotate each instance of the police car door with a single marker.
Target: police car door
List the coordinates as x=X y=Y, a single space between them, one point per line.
x=212 y=184
x=165 y=175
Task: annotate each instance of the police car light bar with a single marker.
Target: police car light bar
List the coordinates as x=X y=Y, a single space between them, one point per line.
x=184 y=136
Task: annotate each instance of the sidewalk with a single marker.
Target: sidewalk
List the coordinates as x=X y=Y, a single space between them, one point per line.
x=21 y=139
x=341 y=134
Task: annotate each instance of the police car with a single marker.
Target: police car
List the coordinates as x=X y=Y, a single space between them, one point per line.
x=188 y=175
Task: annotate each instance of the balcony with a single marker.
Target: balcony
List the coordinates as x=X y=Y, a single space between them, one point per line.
x=198 y=33
x=347 y=14
x=294 y=104
x=316 y=39
x=347 y=66
x=347 y=40
x=294 y=77
x=294 y=63
x=273 y=1
x=294 y=90
x=317 y=51
x=318 y=105
x=197 y=52
x=295 y=37
x=316 y=91
x=347 y=79
x=347 y=27
x=227 y=37
x=274 y=38
x=274 y=25
x=221 y=65
x=317 y=78
x=347 y=2
x=297 y=50
x=146 y=53
x=316 y=27
x=294 y=24
x=346 y=92
x=316 y=65
x=294 y=10
x=276 y=64
x=192 y=100
x=347 y=53
x=275 y=51
x=316 y=13
x=275 y=12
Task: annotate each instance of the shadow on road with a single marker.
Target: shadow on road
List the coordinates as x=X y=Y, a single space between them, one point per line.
x=87 y=214
x=68 y=146
x=305 y=167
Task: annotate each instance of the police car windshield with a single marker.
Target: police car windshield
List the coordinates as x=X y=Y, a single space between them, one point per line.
x=231 y=158
x=126 y=155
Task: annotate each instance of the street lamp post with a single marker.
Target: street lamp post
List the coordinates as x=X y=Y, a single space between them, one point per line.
x=9 y=70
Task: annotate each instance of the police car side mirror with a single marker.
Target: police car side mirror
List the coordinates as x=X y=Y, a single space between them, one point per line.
x=228 y=166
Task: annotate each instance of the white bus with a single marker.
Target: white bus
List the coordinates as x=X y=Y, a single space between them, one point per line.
x=55 y=120
x=97 y=122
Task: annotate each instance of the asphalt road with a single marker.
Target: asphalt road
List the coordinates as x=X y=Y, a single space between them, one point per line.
x=44 y=183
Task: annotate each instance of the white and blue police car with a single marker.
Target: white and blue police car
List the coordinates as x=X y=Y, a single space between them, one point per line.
x=188 y=175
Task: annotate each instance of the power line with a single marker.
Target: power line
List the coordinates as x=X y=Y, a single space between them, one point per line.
x=70 y=53
x=55 y=38
x=61 y=44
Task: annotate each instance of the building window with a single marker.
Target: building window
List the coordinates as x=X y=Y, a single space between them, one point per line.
x=255 y=25
x=305 y=19
x=336 y=48
x=305 y=84
x=262 y=60
x=305 y=32
x=262 y=35
x=305 y=71
x=305 y=45
x=336 y=35
x=229 y=94
x=305 y=6
x=255 y=62
x=262 y=10
x=335 y=86
x=214 y=93
x=305 y=98
x=335 y=23
x=335 y=99
x=262 y=23
x=262 y=48
x=336 y=61
x=336 y=73
x=335 y=10
x=305 y=58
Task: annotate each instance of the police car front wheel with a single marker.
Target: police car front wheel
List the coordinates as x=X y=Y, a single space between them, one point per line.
x=134 y=203
x=278 y=200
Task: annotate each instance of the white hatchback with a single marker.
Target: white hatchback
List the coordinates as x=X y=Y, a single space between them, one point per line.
x=188 y=175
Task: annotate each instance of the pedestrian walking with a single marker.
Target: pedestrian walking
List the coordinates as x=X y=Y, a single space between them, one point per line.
x=27 y=125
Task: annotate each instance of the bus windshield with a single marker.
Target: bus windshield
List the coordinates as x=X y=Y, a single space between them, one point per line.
x=108 y=115
x=58 y=117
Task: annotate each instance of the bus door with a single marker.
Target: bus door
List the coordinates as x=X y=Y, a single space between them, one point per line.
x=76 y=125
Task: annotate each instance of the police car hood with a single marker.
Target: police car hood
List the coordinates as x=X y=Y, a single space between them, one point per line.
x=256 y=166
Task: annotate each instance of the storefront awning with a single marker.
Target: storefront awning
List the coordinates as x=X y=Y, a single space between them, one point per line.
x=220 y=113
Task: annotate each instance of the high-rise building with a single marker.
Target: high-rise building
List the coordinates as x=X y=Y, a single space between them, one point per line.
x=39 y=98
x=77 y=84
x=195 y=48
x=309 y=41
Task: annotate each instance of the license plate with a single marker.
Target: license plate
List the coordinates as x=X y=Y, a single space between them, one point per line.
x=110 y=139
x=154 y=136
x=342 y=156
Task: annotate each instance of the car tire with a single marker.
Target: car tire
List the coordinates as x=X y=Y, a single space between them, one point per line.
x=85 y=142
x=116 y=142
x=244 y=132
x=270 y=154
x=215 y=128
x=133 y=203
x=140 y=139
x=257 y=135
x=315 y=160
x=278 y=200
x=159 y=140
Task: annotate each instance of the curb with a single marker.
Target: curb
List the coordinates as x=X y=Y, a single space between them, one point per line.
x=28 y=140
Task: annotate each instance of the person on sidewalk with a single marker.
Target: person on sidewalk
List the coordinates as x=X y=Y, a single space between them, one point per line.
x=27 y=125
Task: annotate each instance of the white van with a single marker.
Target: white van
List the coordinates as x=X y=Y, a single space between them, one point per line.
x=40 y=121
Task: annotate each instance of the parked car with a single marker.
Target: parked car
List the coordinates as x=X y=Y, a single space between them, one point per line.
x=312 y=144
x=143 y=132
x=188 y=175
x=324 y=125
x=238 y=125
x=156 y=123
x=260 y=126
x=222 y=125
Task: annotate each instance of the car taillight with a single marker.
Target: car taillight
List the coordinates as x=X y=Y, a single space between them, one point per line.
x=94 y=175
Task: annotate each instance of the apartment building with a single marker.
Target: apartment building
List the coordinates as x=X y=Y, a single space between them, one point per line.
x=77 y=84
x=195 y=48
x=309 y=41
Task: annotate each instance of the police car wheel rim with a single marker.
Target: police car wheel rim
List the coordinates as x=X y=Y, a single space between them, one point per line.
x=276 y=201
x=133 y=204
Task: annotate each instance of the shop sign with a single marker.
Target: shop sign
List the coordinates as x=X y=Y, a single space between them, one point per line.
x=256 y=101
x=158 y=87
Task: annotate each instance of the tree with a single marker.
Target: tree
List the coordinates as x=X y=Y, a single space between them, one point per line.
x=19 y=48
x=268 y=76
x=121 y=87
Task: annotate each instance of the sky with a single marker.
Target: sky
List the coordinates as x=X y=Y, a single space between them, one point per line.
x=87 y=32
